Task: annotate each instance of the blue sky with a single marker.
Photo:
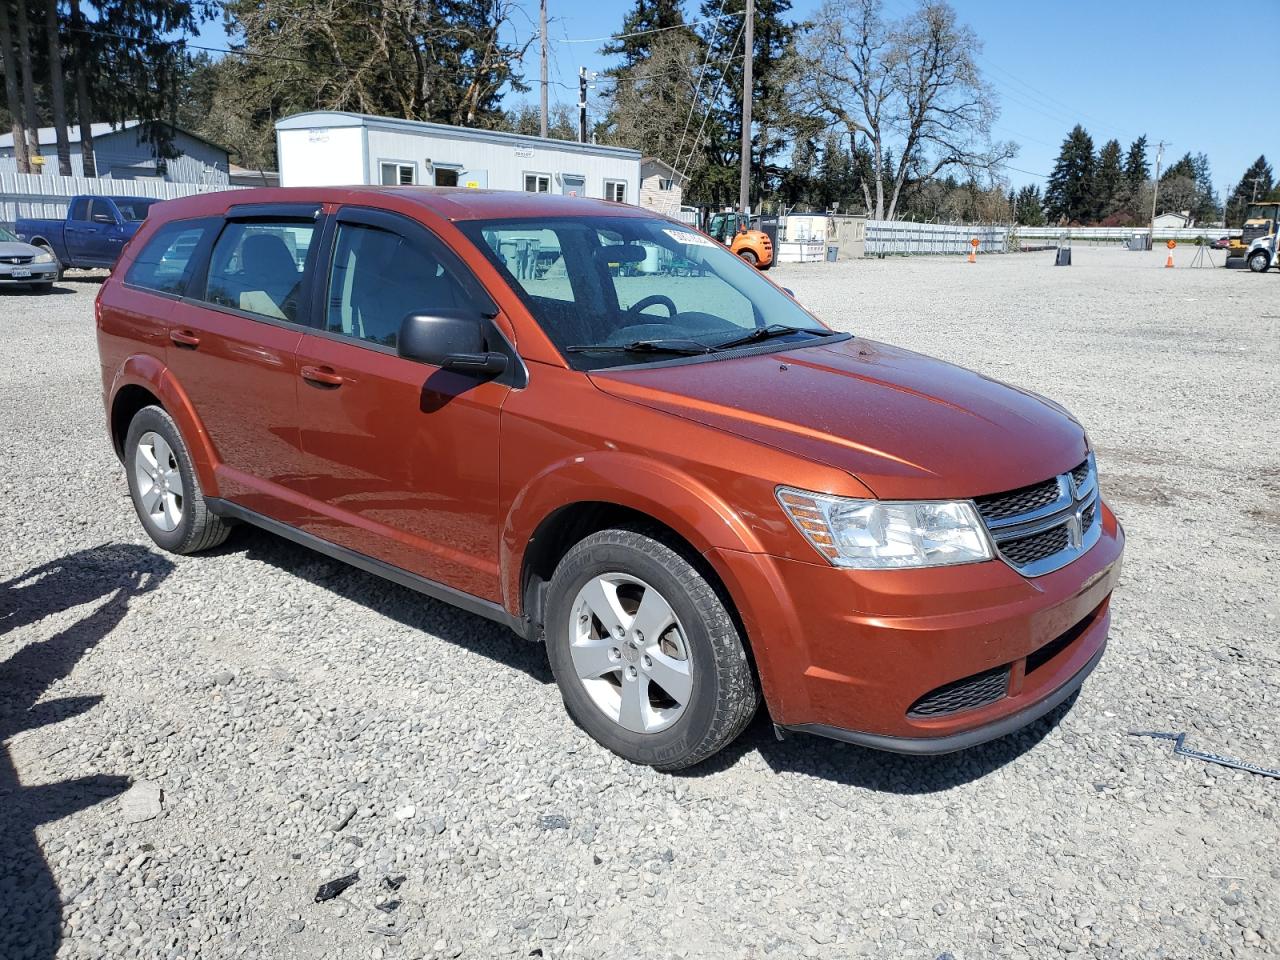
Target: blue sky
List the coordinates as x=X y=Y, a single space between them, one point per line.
x=1169 y=69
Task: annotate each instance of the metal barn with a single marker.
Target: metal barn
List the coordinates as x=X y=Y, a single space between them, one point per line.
x=330 y=148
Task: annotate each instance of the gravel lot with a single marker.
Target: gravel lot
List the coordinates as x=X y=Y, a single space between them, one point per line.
x=302 y=720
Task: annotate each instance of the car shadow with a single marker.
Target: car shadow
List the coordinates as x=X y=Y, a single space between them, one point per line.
x=878 y=770
x=31 y=921
x=10 y=291
x=405 y=606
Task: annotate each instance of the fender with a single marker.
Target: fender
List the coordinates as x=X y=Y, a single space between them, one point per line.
x=671 y=497
x=146 y=371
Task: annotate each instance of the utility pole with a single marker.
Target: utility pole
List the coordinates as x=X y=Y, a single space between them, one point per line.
x=543 y=126
x=748 y=55
x=1254 y=197
x=1155 y=194
x=582 y=104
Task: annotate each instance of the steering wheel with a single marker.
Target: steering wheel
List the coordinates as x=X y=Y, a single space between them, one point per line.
x=653 y=300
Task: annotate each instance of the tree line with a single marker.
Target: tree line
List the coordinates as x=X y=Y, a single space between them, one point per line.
x=861 y=107
x=1114 y=187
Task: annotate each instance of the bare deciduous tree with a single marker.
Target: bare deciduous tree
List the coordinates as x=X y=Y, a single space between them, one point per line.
x=910 y=87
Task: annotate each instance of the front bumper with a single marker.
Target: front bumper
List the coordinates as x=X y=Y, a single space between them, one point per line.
x=853 y=654
x=40 y=273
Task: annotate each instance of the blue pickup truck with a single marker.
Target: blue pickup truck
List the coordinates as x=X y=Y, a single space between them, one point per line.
x=94 y=232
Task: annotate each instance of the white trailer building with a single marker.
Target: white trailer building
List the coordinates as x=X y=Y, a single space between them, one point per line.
x=326 y=148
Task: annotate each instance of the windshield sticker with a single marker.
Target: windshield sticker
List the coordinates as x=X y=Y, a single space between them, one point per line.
x=691 y=239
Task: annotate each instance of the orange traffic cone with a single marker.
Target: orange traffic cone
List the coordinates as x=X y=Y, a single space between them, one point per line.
x=1169 y=262
x=972 y=257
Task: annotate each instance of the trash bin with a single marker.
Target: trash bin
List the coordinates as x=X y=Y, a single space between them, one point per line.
x=833 y=252
x=1063 y=258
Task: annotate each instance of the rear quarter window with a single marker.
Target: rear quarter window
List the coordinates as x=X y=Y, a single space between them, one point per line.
x=167 y=261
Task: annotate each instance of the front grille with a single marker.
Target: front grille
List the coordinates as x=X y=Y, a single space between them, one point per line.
x=17 y=261
x=967 y=694
x=1036 y=547
x=1044 y=526
x=1001 y=506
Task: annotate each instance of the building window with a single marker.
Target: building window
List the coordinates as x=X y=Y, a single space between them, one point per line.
x=615 y=190
x=446 y=176
x=399 y=174
x=665 y=184
x=537 y=182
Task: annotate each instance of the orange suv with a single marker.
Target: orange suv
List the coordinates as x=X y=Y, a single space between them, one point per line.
x=604 y=430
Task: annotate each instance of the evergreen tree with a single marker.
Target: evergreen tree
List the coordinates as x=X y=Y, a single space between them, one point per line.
x=1186 y=186
x=1256 y=183
x=1109 y=182
x=1028 y=208
x=773 y=43
x=1070 y=195
x=637 y=36
x=1136 y=171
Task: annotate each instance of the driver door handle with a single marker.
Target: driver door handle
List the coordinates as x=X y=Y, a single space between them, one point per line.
x=322 y=376
x=184 y=338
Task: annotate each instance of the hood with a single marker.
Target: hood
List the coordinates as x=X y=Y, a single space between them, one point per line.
x=16 y=248
x=906 y=425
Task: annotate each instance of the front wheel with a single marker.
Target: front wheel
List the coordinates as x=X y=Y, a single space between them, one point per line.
x=648 y=659
x=749 y=256
x=1259 y=262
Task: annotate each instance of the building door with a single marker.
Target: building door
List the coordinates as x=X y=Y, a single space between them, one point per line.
x=572 y=185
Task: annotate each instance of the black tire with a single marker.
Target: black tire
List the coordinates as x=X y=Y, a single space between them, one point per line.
x=724 y=696
x=749 y=256
x=198 y=529
x=1259 y=261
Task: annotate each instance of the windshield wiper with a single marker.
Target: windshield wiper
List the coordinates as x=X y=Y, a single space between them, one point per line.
x=682 y=347
x=768 y=333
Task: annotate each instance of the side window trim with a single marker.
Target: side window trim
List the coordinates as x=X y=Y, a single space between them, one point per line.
x=197 y=287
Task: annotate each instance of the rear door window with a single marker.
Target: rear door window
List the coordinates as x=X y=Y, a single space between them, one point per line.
x=258 y=267
x=167 y=262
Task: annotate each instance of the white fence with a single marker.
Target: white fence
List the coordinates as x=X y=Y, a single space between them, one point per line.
x=35 y=195
x=1059 y=235
x=906 y=238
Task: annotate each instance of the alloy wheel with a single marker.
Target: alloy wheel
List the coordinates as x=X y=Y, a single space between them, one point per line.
x=630 y=652
x=159 y=481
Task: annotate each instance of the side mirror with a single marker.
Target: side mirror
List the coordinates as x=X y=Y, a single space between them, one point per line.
x=451 y=340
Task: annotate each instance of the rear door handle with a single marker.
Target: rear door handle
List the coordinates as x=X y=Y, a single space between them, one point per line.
x=322 y=376
x=184 y=338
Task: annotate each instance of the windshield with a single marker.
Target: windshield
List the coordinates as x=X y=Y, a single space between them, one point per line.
x=624 y=290
x=133 y=209
x=6 y=236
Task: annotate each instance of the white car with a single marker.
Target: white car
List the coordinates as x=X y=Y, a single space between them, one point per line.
x=21 y=263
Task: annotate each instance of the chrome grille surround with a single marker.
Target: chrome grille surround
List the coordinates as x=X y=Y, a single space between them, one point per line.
x=1074 y=512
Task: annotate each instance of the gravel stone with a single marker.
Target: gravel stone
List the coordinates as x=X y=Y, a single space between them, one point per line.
x=141 y=802
x=351 y=698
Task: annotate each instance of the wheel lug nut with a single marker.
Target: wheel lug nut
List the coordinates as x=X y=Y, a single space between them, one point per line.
x=648 y=661
x=631 y=673
x=615 y=653
x=639 y=637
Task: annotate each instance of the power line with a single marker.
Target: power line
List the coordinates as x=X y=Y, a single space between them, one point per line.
x=641 y=33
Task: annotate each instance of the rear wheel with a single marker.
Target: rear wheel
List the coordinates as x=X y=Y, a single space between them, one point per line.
x=648 y=659
x=749 y=256
x=164 y=486
x=1259 y=261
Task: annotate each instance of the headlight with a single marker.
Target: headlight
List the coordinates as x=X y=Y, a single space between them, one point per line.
x=45 y=257
x=877 y=534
